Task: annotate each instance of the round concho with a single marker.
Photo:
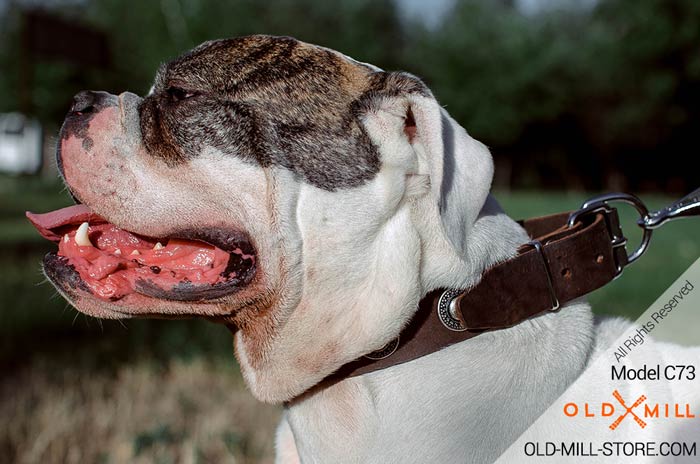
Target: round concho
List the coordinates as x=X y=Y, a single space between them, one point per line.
x=444 y=314
x=385 y=351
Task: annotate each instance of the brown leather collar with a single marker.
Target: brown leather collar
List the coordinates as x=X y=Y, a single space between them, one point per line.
x=560 y=264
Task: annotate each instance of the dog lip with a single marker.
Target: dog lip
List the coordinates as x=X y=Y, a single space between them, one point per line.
x=59 y=271
x=187 y=291
x=63 y=274
x=228 y=239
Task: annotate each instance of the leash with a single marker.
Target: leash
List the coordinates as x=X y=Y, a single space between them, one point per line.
x=570 y=254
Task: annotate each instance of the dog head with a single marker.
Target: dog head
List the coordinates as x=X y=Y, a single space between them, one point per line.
x=330 y=194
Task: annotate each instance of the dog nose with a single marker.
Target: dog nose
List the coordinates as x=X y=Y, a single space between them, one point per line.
x=89 y=101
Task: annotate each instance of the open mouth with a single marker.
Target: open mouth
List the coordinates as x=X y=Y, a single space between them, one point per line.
x=110 y=263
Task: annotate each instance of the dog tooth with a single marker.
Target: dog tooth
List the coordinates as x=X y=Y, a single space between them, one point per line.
x=66 y=238
x=118 y=252
x=81 y=236
x=158 y=246
x=135 y=253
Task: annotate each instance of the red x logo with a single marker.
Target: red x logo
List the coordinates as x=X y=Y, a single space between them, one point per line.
x=628 y=410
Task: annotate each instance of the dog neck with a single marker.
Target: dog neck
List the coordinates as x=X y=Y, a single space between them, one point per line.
x=449 y=397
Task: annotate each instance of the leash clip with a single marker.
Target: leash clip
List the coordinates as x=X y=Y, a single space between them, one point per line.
x=687 y=206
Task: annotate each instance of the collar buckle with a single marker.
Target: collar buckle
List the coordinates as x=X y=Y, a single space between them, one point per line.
x=600 y=204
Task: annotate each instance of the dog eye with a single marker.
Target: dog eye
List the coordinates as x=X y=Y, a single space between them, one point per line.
x=177 y=94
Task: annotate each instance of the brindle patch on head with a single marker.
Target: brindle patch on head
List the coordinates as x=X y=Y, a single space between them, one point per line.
x=271 y=101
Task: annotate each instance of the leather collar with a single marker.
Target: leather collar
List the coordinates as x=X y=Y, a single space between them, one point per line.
x=560 y=264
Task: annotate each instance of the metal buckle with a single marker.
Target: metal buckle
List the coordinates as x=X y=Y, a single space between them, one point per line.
x=600 y=204
x=552 y=294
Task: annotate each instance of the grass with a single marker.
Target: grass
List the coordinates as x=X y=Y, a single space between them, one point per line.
x=173 y=412
x=76 y=389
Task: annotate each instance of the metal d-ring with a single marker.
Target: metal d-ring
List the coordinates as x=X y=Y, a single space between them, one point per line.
x=600 y=203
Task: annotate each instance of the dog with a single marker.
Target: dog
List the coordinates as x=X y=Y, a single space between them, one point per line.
x=309 y=201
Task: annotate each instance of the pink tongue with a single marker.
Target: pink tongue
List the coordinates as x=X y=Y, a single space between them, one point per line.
x=70 y=216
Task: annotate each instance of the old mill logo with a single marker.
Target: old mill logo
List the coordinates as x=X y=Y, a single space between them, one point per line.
x=628 y=410
x=640 y=410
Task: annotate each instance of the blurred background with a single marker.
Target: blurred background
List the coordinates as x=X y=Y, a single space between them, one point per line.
x=572 y=97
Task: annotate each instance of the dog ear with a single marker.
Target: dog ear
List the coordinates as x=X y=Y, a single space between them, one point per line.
x=454 y=167
x=460 y=168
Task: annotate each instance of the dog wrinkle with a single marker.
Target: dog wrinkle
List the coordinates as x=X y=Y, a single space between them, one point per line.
x=340 y=402
x=310 y=274
x=338 y=423
x=285 y=447
x=257 y=324
x=315 y=362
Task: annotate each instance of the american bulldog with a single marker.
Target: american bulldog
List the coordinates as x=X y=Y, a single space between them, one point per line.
x=308 y=201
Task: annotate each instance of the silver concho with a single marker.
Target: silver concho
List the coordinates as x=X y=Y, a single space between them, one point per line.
x=446 y=312
x=385 y=351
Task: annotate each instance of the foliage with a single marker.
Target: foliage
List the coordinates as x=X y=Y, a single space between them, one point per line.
x=574 y=98
x=144 y=34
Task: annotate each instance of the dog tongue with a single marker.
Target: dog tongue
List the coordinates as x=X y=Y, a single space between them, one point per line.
x=48 y=223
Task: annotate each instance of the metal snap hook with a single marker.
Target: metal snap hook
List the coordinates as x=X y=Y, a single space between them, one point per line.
x=687 y=206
